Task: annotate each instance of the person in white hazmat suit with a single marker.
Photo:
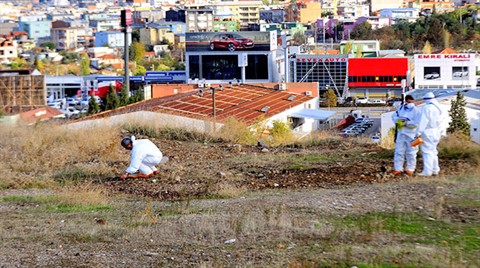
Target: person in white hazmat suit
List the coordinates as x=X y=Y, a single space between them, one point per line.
x=145 y=156
x=431 y=117
x=406 y=120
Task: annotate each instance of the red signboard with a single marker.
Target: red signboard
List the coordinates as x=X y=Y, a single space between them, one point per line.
x=376 y=72
x=125 y=17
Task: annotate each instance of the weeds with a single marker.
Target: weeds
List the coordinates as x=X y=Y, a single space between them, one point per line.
x=457 y=146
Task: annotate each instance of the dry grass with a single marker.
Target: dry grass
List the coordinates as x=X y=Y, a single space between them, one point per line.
x=458 y=146
x=39 y=152
x=236 y=131
x=83 y=195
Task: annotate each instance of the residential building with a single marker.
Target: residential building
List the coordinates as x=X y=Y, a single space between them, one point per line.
x=147 y=16
x=105 y=24
x=7 y=27
x=272 y=15
x=65 y=38
x=107 y=60
x=8 y=49
x=245 y=12
x=175 y=15
x=225 y=25
x=400 y=14
x=376 y=5
x=36 y=29
x=113 y=39
x=199 y=20
x=330 y=7
x=95 y=52
x=155 y=34
x=353 y=11
x=304 y=11
x=438 y=6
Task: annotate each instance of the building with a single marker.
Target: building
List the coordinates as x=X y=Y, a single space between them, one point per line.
x=353 y=11
x=377 y=77
x=225 y=25
x=272 y=15
x=330 y=71
x=304 y=11
x=8 y=49
x=147 y=16
x=20 y=92
x=111 y=39
x=245 y=12
x=446 y=71
x=368 y=48
x=175 y=15
x=376 y=5
x=246 y=103
x=223 y=57
x=36 y=29
x=199 y=20
x=400 y=14
x=155 y=34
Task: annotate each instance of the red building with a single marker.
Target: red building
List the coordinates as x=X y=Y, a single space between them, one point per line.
x=376 y=77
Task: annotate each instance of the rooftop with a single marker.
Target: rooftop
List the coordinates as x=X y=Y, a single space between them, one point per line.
x=243 y=102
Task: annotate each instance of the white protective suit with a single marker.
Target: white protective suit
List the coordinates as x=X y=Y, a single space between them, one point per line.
x=406 y=131
x=145 y=156
x=429 y=127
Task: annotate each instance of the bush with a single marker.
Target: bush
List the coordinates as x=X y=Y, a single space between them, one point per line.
x=236 y=131
x=458 y=146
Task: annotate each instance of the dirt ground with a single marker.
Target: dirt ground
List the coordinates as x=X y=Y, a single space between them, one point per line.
x=201 y=169
x=226 y=205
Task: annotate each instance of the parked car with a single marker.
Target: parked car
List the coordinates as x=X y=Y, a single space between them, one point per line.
x=230 y=41
x=460 y=74
x=391 y=101
x=376 y=101
x=433 y=75
x=361 y=100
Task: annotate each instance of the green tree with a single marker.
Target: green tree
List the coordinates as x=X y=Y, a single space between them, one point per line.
x=435 y=33
x=330 y=98
x=70 y=57
x=140 y=70
x=358 y=52
x=137 y=52
x=362 y=31
x=299 y=38
x=123 y=96
x=18 y=63
x=84 y=65
x=112 y=101
x=49 y=45
x=458 y=115
x=136 y=97
x=93 y=106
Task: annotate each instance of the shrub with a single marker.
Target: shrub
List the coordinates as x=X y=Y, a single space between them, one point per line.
x=458 y=146
x=236 y=131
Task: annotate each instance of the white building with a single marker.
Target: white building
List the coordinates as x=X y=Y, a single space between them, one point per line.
x=445 y=71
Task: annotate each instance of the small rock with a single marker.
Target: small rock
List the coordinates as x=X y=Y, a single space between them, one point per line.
x=265 y=150
x=431 y=219
x=276 y=185
x=151 y=254
x=230 y=241
x=222 y=174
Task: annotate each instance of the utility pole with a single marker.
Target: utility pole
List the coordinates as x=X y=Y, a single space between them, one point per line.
x=125 y=22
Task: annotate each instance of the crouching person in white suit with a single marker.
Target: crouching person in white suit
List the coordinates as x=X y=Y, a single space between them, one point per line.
x=144 y=157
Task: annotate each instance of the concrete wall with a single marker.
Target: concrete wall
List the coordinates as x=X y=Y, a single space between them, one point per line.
x=151 y=119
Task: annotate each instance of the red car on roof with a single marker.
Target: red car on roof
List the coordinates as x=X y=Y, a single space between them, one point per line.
x=230 y=41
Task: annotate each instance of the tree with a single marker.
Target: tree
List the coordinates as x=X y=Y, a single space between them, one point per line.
x=136 y=97
x=39 y=64
x=140 y=70
x=93 y=106
x=458 y=115
x=362 y=31
x=299 y=38
x=358 y=52
x=427 y=48
x=84 y=65
x=18 y=63
x=49 y=45
x=112 y=101
x=435 y=32
x=331 y=98
x=137 y=52
x=447 y=36
x=123 y=96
